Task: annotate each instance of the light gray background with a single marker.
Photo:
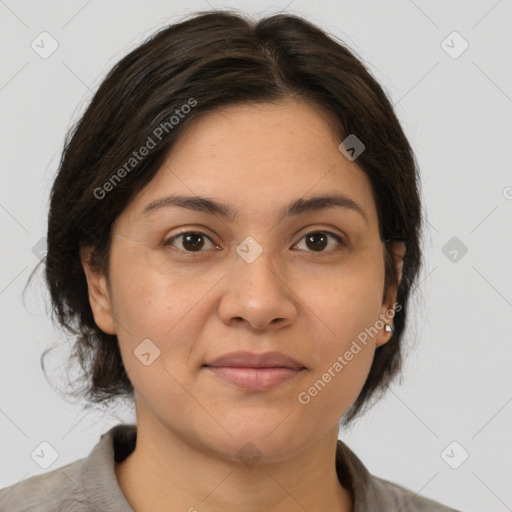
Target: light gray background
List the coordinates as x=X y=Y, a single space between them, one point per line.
x=457 y=114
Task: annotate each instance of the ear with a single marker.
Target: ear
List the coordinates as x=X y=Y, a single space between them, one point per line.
x=398 y=250
x=99 y=295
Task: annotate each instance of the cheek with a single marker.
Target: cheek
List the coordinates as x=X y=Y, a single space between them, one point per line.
x=346 y=312
x=170 y=313
x=343 y=353
x=152 y=304
x=347 y=301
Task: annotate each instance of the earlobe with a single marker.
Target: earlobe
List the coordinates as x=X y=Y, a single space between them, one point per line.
x=99 y=296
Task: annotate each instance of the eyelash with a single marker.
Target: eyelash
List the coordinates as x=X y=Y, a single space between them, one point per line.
x=338 y=239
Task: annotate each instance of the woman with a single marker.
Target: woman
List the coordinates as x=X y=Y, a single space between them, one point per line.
x=233 y=237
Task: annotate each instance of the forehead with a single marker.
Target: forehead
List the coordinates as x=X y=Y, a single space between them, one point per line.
x=258 y=159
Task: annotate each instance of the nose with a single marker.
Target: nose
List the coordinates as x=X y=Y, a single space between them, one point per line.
x=258 y=293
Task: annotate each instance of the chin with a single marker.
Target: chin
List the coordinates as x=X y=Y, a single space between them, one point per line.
x=260 y=438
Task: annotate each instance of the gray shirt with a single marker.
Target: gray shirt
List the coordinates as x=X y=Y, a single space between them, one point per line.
x=90 y=484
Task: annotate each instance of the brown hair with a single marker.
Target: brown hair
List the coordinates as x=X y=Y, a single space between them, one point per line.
x=216 y=58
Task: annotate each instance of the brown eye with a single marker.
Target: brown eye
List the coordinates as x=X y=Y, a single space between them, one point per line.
x=192 y=241
x=317 y=241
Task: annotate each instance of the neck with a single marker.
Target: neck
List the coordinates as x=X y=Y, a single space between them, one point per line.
x=167 y=472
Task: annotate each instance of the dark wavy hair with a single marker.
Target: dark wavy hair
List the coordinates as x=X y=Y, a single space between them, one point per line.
x=219 y=58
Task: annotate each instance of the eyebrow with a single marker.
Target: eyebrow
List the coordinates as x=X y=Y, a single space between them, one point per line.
x=296 y=207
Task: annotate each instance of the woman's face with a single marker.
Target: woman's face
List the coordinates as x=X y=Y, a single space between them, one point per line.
x=254 y=280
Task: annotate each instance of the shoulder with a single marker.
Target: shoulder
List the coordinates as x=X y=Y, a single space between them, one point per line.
x=86 y=484
x=397 y=497
x=55 y=490
x=374 y=494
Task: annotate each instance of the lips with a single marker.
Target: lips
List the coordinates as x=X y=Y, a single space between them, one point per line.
x=255 y=372
x=253 y=360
